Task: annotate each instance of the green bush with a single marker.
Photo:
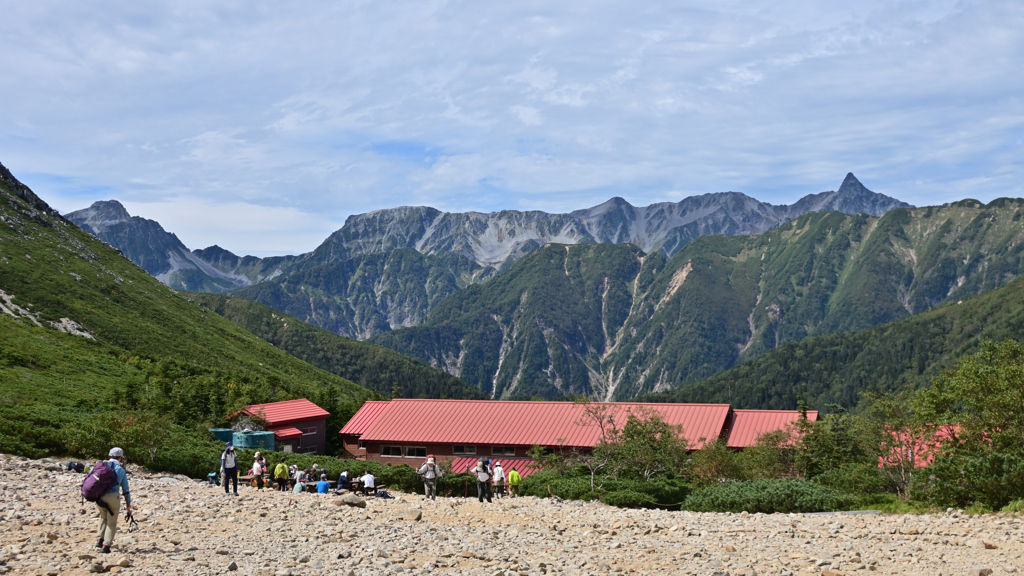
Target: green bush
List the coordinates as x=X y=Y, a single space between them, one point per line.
x=961 y=480
x=855 y=479
x=628 y=499
x=1015 y=507
x=767 y=496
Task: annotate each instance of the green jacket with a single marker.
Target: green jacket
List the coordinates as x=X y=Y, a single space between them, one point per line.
x=281 y=471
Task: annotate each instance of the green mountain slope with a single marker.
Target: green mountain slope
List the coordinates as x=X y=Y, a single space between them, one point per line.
x=366 y=294
x=836 y=368
x=370 y=366
x=134 y=345
x=635 y=324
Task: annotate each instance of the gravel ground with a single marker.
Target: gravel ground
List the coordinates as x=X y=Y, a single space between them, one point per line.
x=187 y=527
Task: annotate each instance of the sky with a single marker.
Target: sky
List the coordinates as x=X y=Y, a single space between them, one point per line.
x=260 y=126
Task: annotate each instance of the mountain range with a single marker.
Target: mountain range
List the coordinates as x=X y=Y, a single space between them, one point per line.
x=612 y=322
x=389 y=268
x=612 y=302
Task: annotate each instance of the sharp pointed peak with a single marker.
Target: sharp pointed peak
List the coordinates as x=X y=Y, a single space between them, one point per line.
x=850 y=183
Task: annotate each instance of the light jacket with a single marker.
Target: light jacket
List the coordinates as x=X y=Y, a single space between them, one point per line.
x=514 y=478
x=281 y=471
x=429 y=471
x=122 y=481
x=483 y=472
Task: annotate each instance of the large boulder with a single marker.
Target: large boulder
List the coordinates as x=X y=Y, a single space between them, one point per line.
x=353 y=500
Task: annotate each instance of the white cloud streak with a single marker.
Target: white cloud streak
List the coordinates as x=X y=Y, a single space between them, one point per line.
x=312 y=113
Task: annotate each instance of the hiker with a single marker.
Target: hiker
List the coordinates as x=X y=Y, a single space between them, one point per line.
x=229 y=467
x=281 y=475
x=514 y=479
x=499 y=480
x=483 y=479
x=323 y=486
x=430 y=473
x=110 y=504
x=298 y=480
x=343 y=482
x=257 y=471
x=368 y=483
x=315 y=472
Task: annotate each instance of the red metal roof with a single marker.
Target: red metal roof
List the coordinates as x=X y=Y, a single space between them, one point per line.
x=744 y=426
x=286 y=433
x=520 y=423
x=463 y=464
x=362 y=419
x=288 y=412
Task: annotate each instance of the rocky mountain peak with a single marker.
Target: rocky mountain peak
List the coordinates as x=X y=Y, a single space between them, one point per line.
x=101 y=213
x=851 y=185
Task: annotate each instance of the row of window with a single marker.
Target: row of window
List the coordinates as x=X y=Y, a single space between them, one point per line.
x=421 y=452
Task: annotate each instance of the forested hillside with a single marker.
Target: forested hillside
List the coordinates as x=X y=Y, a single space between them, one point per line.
x=836 y=368
x=614 y=323
x=92 y=346
x=374 y=367
x=367 y=294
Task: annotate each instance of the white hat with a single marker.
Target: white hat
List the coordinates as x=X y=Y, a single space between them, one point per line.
x=116 y=453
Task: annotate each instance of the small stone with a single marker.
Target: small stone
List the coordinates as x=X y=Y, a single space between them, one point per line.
x=730 y=548
x=980 y=572
x=232 y=566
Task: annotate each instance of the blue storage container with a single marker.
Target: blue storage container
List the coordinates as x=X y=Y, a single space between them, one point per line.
x=253 y=440
x=222 y=434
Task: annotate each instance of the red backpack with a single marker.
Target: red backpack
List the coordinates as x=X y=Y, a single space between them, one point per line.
x=99 y=481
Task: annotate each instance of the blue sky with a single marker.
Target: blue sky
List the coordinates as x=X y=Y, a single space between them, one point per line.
x=262 y=126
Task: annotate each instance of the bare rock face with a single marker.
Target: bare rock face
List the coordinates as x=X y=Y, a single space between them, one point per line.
x=272 y=533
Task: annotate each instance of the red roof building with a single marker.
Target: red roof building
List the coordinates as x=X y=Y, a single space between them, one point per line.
x=298 y=425
x=406 y=430
x=358 y=424
x=744 y=426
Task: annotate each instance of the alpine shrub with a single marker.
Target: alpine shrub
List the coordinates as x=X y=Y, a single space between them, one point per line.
x=767 y=496
x=628 y=499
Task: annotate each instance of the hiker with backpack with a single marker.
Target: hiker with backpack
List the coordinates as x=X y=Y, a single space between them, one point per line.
x=430 y=473
x=258 y=465
x=229 y=467
x=499 y=480
x=514 y=479
x=104 y=486
x=281 y=475
x=483 y=479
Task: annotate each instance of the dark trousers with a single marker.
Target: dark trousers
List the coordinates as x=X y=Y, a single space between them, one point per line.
x=483 y=490
x=282 y=484
x=259 y=482
x=231 y=475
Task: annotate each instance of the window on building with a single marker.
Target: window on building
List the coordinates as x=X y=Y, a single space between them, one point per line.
x=310 y=450
x=415 y=452
x=361 y=445
x=308 y=431
x=391 y=451
x=464 y=449
x=503 y=451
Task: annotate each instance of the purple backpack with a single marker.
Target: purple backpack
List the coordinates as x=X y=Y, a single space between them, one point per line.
x=99 y=481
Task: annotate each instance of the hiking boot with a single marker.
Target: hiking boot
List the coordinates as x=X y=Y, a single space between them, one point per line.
x=105 y=550
x=99 y=543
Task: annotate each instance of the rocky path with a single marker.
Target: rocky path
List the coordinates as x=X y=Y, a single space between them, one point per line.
x=190 y=528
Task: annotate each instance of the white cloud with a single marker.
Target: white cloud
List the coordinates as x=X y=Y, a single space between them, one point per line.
x=465 y=105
